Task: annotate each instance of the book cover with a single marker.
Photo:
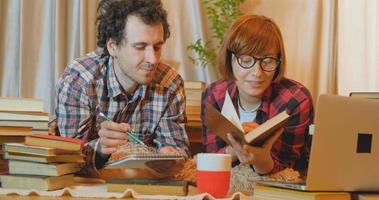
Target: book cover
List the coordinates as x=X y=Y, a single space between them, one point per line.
x=53 y=141
x=73 y=158
x=262 y=192
x=35 y=150
x=50 y=169
x=228 y=122
x=139 y=160
x=36 y=182
x=149 y=186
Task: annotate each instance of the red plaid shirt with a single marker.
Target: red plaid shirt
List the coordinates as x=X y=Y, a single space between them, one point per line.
x=292 y=148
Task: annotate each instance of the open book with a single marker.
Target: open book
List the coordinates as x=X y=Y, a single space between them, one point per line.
x=139 y=160
x=228 y=122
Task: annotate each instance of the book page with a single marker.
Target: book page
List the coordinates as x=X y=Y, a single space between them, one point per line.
x=230 y=113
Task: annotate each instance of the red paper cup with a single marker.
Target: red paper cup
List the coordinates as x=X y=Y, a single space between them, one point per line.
x=213 y=173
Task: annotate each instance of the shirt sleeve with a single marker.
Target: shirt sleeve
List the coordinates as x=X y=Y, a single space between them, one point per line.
x=73 y=109
x=72 y=105
x=171 y=128
x=291 y=148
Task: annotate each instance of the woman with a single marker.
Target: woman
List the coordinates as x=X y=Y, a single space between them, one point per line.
x=252 y=61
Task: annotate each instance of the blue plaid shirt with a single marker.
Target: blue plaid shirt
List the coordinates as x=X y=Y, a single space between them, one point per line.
x=88 y=86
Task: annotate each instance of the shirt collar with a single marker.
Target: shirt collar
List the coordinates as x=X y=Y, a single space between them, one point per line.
x=265 y=101
x=114 y=87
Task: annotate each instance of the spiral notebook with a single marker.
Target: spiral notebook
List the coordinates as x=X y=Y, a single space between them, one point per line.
x=139 y=160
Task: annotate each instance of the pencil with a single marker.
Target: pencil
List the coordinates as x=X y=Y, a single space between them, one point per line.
x=130 y=134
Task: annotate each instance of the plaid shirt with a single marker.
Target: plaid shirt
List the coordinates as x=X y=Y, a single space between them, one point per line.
x=88 y=86
x=292 y=148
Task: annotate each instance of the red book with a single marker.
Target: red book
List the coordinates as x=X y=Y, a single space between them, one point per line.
x=54 y=141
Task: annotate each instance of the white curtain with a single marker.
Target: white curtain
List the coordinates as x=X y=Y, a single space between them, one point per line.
x=37 y=40
x=358 y=46
x=332 y=45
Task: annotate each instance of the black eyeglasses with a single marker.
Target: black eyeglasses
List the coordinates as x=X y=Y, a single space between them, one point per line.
x=267 y=64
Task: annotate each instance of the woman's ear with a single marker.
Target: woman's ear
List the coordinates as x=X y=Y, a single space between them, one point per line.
x=112 y=47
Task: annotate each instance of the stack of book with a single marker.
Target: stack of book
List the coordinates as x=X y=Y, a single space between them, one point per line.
x=20 y=117
x=193 y=91
x=43 y=162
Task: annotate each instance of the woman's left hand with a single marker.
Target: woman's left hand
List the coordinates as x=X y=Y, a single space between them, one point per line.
x=259 y=157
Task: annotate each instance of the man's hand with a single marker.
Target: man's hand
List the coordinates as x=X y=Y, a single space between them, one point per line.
x=259 y=157
x=112 y=135
x=168 y=149
x=166 y=168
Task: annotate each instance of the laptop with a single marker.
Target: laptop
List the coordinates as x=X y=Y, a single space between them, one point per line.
x=345 y=147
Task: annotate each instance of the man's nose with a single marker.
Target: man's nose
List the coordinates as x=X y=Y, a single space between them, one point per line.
x=152 y=56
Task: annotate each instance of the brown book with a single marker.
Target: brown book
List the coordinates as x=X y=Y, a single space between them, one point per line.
x=192 y=117
x=269 y=193
x=35 y=150
x=43 y=169
x=72 y=158
x=12 y=139
x=149 y=186
x=15 y=130
x=366 y=196
x=54 y=142
x=192 y=109
x=197 y=85
x=221 y=126
x=31 y=182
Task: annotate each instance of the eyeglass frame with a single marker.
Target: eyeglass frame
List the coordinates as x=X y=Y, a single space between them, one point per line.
x=279 y=61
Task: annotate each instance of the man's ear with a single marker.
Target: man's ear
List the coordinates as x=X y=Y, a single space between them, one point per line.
x=112 y=47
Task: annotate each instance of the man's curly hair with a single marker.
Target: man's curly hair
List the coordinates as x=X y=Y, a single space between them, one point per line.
x=112 y=17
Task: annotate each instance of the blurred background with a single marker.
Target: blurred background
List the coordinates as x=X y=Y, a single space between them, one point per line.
x=332 y=46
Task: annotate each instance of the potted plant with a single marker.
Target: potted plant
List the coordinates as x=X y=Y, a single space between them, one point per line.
x=221 y=13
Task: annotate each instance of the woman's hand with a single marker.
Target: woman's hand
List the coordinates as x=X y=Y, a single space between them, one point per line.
x=248 y=126
x=259 y=157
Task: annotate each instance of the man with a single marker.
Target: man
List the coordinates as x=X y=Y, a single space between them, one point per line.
x=124 y=79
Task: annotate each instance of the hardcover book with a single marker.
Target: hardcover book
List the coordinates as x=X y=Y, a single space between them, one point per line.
x=228 y=122
x=139 y=160
x=35 y=150
x=73 y=158
x=36 y=182
x=149 y=186
x=21 y=104
x=51 y=169
x=262 y=192
x=13 y=130
x=53 y=141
